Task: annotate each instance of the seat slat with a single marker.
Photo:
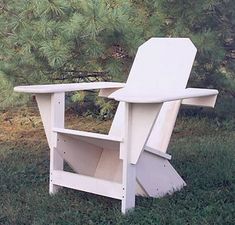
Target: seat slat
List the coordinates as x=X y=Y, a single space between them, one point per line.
x=88 y=134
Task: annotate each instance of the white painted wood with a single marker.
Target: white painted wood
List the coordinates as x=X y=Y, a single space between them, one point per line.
x=81 y=156
x=99 y=140
x=57 y=119
x=162 y=64
x=87 y=134
x=49 y=104
x=132 y=158
x=105 y=92
x=44 y=105
x=57 y=114
x=140 y=190
x=51 y=107
x=157 y=152
x=207 y=101
x=88 y=184
x=162 y=130
x=159 y=96
x=105 y=144
x=141 y=120
x=53 y=88
x=129 y=185
x=118 y=122
x=109 y=166
x=160 y=136
x=157 y=176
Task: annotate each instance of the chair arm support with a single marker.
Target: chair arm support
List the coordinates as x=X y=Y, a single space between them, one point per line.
x=203 y=101
x=160 y=96
x=56 y=88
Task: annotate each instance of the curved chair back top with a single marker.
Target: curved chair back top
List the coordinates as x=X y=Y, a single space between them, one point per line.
x=162 y=63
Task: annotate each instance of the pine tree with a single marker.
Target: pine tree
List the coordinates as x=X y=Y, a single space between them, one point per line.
x=60 y=40
x=210 y=24
x=45 y=41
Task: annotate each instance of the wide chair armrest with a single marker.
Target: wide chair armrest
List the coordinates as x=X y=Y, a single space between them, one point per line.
x=56 y=88
x=160 y=96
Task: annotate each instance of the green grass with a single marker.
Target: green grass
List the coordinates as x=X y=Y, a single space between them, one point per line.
x=203 y=153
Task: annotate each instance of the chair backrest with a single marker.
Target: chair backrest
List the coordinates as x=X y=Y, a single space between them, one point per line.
x=163 y=64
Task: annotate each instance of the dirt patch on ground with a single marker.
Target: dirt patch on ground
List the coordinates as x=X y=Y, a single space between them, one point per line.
x=25 y=125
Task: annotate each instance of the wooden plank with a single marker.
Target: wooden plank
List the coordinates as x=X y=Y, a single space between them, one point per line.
x=207 y=101
x=51 y=107
x=128 y=169
x=81 y=156
x=44 y=106
x=87 y=134
x=157 y=176
x=118 y=123
x=141 y=121
x=57 y=119
x=162 y=64
x=88 y=184
x=162 y=130
x=157 y=152
x=57 y=114
x=101 y=143
x=109 y=166
x=105 y=92
x=53 y=88
x=98 y=140
x=140 y=190
x=158 y=96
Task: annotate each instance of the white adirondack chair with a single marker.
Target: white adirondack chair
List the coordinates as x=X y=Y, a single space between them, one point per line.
x=132 y=158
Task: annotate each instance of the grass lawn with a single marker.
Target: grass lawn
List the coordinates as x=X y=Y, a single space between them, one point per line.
x=203 y=152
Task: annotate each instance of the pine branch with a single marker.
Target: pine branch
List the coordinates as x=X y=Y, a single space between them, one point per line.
x=82 y=75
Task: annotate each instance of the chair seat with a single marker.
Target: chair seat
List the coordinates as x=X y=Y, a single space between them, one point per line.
x=99 y=140
x=88 y=134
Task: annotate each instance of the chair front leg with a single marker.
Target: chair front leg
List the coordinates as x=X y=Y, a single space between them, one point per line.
x=128 y=169
x=129 y=186
x=51 y=107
